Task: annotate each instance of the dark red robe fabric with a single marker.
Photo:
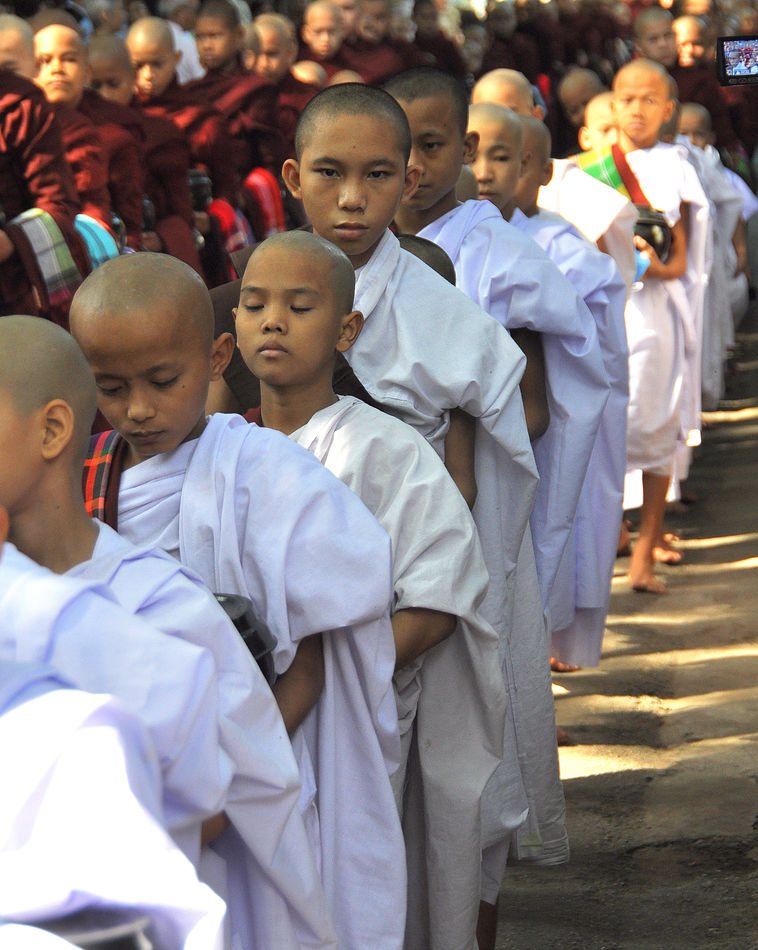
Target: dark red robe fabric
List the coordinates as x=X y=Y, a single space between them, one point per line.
x=248 y=103
x=376 y=62
x=86 y=158
x=294 y=96
x=519 y=53
x=33 y=173
x=699 y=84
x=120 y=130
x=441 y=52
x=207 y=132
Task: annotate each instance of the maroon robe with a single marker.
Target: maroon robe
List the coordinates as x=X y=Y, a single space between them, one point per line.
x=86 y=158
x=294 y=96
x=33 y=173
x=248 y=102
x=377 y=62
x=120 y=130
x=519 y=53
x=337 y=64
x=207 y=133
x=441 y=52
x=699 y=84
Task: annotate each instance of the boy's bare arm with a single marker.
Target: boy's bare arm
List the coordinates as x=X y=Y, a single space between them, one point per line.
x=676 y=264
x=533 y=386
x=739 y=241
x=297 y=690
x=417 y=629
x=460 y=442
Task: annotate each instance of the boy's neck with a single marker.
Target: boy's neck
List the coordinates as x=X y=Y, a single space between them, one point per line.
x=410 y=220
x=288 y=408
x=56 y=530
x=626 y=145
x=529 y=211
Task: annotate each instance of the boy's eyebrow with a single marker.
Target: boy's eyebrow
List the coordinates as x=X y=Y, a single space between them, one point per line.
x=336 y=161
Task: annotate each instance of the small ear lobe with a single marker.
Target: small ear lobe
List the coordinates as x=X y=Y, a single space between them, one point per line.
x=412 y=179
x=291 y=176
x=584 y=138
x=547 y=172
x=352 y=324
x=221 y=354
x=59 y=424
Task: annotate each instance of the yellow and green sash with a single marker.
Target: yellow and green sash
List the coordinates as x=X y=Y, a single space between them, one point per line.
x=611 y=167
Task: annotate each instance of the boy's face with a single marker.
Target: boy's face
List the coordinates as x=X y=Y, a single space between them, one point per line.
x=657 y=41
x=349 y=10
x=15 y=54
x=689 y=43
x=112 y=80
x=641 y=105
x=497 y=164
x=425 y=18
x=695 y=127
x=287 y=325
x=599 y=131
x=152 y=378
x=322 y=32
x=574 y=101
x=154 y=66
x=351 y=178
x=438 y=150
x=217 y=43
x=374 y=18
x=276 y=55
x=62 y=70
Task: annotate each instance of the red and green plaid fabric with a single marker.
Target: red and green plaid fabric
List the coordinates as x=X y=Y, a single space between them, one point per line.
x=97 y=471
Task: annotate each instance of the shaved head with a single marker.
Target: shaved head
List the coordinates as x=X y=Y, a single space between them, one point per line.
x=40 y=362
x=649 y=66
x=357 y=100
x=492 y=112
x=337 y=268
x=430 y=253
x=53 y=34
x=144 y=287
x=536 y=137
x=281 y=25
x=693 y=112
x=426 y=82
x=321 y=6
x=151 y=30
x=16 y=45
x=648 y=17
x=507 y=87
x=107 y=47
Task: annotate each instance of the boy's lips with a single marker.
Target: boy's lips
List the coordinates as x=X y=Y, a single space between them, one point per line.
x=144 y=436
x=272 y=347
x=351 y=229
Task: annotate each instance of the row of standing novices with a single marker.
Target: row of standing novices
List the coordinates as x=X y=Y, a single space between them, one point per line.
x=317 y=862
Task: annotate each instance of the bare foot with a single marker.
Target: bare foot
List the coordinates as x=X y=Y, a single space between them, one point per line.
x=665 y=553
x=557 y=667
x=647 y=584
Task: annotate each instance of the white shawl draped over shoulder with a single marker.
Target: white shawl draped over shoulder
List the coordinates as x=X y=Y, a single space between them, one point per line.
x=81 y=825
x=458 y=735
x=259 y=516
x=276 y=873
x=514 y=281
x=584 y=576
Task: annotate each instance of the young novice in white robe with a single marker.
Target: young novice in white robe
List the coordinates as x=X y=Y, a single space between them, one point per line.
x=255 y=515
x=81 y=826
x=580 y=595
x=295 y=311
x=663 y=312
x=264 y=862
x=424 y=351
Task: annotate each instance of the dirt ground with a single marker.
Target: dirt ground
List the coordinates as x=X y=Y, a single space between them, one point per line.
x=662 y=783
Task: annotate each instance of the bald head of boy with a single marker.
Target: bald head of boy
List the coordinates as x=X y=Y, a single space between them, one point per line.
x=695 y=123
x=150 y=43
x=574 y=92
x=295 y=312
x=16 y=46
x=498 y=161
x=509 y=88
x=47 y=404
x=538 y=166
x=642 y=103
x=599 y=129
x=145 y=324
x=654 y=36
x=62 y=64
x=111 y=71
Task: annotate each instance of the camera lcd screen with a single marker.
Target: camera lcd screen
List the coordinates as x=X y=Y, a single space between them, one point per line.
x=737 y=60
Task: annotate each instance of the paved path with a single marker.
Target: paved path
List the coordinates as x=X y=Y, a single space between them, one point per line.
x=662 y=784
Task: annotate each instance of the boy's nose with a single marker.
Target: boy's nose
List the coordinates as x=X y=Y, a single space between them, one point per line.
x=352 y=196
x=139 y=408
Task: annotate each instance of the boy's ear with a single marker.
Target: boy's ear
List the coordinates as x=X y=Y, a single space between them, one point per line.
x=291 y=176
x=412 y=178
x=670 y=106
x=352 y=324
x=177 y=57
x=239 y=37
x=470 y=145
x=58 y=423
x=221 y=354
x=584 y=138
x=547 y=172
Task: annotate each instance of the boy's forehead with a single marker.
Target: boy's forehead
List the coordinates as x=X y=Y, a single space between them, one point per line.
x=214 y=23
x=435 y=109
x=640 y=77
x=303 y=269
x=59 y=39
x=322 y=141
x=497 y=130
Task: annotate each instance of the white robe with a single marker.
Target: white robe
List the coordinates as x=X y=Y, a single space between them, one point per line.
x=425 y=349
x=258 y=516
x=598 y=210
x=270 y=879
x=81 y=825
x=514 y=281
x=664 y=321
x=455 y=688
x=584 y=577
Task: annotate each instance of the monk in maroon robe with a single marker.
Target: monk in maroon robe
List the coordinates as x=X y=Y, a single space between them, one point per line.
x=373 y=55
x=33 y=174
x=323 y=35
x=86 y=158
x=436 y=49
